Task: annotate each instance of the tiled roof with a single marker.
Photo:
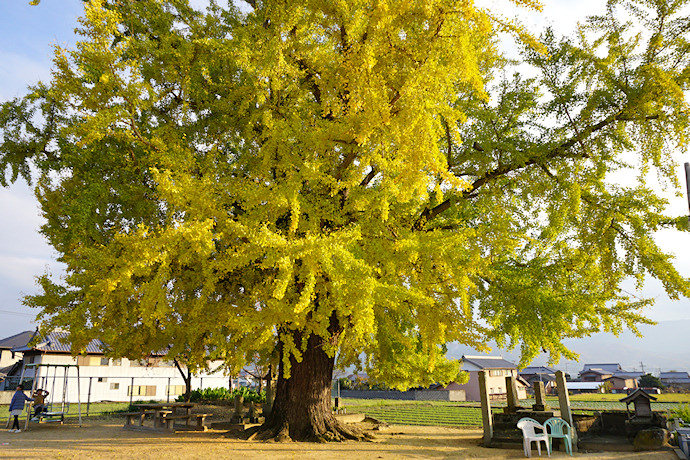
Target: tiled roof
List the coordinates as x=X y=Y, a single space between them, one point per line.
x=17 y=340
x=537 y=370
x=489 y=362
x=56 y=342
x=639 y=393
x=608 y=367
x=628 y=375
x=674 y=375
x=597 y=371
x=539 y=377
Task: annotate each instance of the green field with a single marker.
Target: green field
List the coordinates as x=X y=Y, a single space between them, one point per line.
x=441 y=413
x=416 y=413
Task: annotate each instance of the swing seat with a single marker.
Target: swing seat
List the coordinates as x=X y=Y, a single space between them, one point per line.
x=50 y=417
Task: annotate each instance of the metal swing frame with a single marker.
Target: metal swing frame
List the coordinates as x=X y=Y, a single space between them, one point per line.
x=52 y=415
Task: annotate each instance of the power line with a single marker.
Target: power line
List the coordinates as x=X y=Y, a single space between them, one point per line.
x=16 y=313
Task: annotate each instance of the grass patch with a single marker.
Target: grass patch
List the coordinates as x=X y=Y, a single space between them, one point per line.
x=422 y=413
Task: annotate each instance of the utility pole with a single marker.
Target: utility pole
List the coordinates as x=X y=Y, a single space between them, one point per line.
x=642 y=366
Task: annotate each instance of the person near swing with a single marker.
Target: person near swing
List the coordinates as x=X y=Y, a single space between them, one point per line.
x=17 y=407
x=40 y=396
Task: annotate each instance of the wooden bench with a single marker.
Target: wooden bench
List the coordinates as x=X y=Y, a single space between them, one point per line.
x=169 y=420
x=141 y=415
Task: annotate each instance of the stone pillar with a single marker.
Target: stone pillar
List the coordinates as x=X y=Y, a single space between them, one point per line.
x=564 y=404
x=270 y=396
x=487 y=418
x=539 y=397
x=253 y=415
x=511 y=389
x=239 y=400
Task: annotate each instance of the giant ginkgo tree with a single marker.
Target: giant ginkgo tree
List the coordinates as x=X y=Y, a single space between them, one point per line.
x=357 y=180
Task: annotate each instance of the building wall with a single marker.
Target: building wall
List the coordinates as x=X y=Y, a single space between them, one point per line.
x=6 y=397
x=119 y=380
x=593 y=377
x=618 y=383
x=7 y=358
x=496 y=384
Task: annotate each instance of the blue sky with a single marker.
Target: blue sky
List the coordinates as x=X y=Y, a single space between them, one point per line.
x=27 y=34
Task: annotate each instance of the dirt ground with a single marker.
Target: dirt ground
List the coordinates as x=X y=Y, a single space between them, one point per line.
x=106 y=438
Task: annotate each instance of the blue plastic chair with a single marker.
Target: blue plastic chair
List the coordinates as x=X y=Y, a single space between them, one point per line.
x=559 y=428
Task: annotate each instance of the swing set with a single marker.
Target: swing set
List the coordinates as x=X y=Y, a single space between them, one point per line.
x=53 y=411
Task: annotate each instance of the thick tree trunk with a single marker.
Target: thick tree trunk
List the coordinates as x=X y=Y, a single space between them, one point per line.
x=302 y=407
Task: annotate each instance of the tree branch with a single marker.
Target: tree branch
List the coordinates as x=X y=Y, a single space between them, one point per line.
x=559 y=151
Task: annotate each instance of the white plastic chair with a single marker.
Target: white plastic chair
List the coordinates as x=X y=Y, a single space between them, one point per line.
x=529 y=434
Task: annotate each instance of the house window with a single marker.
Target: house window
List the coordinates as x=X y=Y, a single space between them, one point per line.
x=102 y=379
x=175 y=390
x=114 y=386
x=146 y=362
x=491 y=390
x=496 y=373
x=30 y=359
x=141 y=390
x=92 y=361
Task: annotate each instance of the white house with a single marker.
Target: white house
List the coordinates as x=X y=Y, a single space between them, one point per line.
x=498 y=369
x=102 y=378
x=9 y=358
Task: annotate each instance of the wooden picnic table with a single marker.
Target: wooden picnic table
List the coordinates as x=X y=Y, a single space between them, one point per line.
x=165 y=415
x=160 y=410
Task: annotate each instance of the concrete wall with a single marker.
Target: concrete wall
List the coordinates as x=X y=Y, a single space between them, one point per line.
x=412 y=395
x=6 y=397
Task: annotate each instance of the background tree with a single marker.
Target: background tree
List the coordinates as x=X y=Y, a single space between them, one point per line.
x=354 y=179
x=650 y=381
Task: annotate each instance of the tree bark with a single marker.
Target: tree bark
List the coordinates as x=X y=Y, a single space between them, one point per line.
x=302 y=407
x=187 y=380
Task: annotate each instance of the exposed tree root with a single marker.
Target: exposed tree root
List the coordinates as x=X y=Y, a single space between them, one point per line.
x=334 y=431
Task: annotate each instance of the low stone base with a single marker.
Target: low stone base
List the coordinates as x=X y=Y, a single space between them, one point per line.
x=540 y=408
x=539 y=415
x=652 y=439
x=232 y=426
x=605 y=444
x=350 y=418
x=240 y=420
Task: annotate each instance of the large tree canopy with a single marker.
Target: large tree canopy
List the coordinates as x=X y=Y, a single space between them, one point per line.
x=366 y=180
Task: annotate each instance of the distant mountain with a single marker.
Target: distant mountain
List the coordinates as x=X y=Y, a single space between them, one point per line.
x=663 y=347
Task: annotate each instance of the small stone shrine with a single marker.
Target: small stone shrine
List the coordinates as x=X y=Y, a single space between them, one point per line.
x=643 y=419
x=642 y=403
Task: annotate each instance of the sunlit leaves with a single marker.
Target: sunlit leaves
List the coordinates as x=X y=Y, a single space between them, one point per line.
x=218 y=181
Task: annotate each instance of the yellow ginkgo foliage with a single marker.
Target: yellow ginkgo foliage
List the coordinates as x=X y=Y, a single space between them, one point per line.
x=348 y=182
